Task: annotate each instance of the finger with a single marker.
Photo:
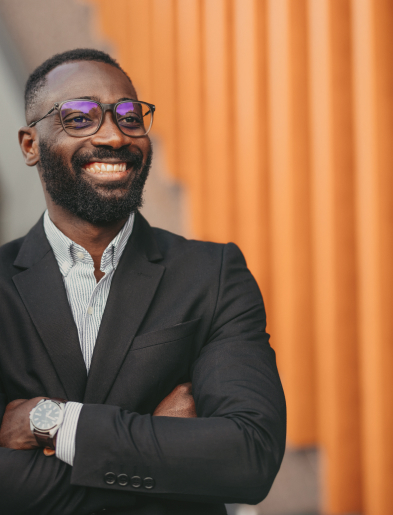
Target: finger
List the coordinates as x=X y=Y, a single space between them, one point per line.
x=48 y=452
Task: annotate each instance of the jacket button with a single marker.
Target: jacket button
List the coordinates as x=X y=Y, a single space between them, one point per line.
x=148 y=483
x=110 y=478
x=123 y=479
x=136 y=481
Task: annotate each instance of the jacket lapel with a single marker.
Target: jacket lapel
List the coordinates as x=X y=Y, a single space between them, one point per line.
x=42 y=290
x=133 y=287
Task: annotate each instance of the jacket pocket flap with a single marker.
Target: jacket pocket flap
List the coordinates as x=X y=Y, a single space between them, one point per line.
x=169 y=334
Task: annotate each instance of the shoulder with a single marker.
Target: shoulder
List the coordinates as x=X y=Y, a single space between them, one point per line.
x=172 y=245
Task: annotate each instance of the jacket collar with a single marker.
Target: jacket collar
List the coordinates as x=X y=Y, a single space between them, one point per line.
x=36 y=244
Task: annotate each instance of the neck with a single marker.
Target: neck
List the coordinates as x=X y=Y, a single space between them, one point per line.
x=91 y=237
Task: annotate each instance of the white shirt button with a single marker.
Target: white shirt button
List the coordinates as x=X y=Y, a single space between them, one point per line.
x=90 y=310
x=80 y=255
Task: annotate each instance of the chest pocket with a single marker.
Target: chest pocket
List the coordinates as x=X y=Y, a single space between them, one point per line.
x=167 y=335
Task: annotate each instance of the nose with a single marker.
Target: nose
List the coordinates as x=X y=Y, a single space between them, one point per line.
x=109 y=134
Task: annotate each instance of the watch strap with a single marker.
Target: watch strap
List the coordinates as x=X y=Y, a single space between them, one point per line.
x=44 y=440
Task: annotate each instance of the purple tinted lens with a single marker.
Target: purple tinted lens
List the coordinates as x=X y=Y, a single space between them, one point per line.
x=81 y=116
x=127 y=108
x=133 y=118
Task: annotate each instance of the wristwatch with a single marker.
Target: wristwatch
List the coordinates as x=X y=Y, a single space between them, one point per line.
x=45 y=419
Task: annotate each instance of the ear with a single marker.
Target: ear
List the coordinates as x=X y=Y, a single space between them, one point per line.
x=28 y=142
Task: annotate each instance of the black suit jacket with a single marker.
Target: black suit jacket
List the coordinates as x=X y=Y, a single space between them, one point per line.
x=178 y=310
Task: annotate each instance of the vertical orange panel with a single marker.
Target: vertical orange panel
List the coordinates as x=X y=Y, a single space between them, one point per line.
x=115 y=25
x=119 y=19
x=248 y=131
x=138 y=53
x=105 y=23
x=290 y=214
x=373 y=86
x=192 y=166
x=217 y=120
x=108 y=22
x=334 y=251
x=278 y=139
x=164 y=76
x=128 y=27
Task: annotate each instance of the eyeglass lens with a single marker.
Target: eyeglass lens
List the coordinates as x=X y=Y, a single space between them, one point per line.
x=82 y=117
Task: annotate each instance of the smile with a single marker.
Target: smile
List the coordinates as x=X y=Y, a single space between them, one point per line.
x=100 y=168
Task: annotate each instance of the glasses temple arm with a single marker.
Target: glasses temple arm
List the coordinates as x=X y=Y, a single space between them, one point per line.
x=150 y=111
x=32 y=124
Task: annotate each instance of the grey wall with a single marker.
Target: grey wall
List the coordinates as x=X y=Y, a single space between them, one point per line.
x=21 y=197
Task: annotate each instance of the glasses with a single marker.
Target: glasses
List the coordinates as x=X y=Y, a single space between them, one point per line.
x=81 y=118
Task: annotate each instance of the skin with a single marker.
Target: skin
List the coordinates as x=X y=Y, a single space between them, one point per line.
x=107 y=84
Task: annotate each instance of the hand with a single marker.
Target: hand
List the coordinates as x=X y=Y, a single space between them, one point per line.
x=15 y=430
x=179 y=403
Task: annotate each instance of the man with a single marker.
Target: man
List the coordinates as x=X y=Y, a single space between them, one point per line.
x=110 y=320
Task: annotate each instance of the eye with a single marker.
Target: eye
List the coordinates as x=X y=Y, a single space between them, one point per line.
x=77 y=120
x=80 y=119
x=131 y=119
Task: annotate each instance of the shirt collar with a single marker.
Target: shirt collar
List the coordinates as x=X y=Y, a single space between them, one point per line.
x=66 y=250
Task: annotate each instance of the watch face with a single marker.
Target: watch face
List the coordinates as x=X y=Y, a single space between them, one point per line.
x=46 y=416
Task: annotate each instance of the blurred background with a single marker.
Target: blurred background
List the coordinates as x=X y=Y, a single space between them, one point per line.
x=273 y=129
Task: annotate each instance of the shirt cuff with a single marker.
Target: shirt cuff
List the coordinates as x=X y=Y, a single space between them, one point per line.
x=65 y=443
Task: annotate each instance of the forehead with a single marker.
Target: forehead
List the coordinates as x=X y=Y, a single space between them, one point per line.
x=87 y=78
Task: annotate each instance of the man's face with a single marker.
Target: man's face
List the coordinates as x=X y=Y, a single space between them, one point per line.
x=73 y=169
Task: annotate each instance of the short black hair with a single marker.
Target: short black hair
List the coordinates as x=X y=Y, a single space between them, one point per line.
x=37 y=79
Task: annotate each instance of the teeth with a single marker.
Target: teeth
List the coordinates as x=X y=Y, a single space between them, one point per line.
x=102 y=167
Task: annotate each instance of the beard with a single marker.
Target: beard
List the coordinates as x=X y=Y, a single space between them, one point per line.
x=98 y=204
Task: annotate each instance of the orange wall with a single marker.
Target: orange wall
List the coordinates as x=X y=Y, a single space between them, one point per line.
x=277 y=115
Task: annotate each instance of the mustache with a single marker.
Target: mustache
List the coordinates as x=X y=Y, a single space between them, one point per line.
x=133 y=157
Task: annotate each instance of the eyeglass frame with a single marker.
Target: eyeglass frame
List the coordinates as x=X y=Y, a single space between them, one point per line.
x=104 y=108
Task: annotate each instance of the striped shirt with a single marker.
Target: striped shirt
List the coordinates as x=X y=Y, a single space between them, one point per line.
x=87 y=300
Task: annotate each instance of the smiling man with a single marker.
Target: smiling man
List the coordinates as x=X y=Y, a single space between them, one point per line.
x=105 y=323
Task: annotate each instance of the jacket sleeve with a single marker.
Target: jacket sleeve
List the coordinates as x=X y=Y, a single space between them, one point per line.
x=32 y=484
x=233 y=450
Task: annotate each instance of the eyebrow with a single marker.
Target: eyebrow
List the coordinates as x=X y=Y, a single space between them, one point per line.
x=97 y=99
x=87 y=97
